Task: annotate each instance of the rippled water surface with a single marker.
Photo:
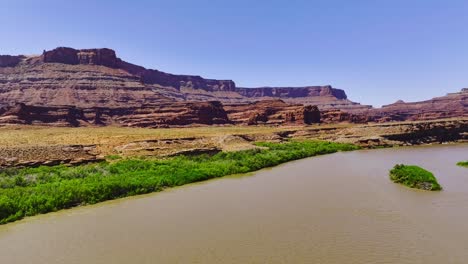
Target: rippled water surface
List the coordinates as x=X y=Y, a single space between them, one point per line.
x=339 y=208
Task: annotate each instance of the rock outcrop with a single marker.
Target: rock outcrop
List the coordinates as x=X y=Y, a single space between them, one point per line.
x=451 y=105
x=105 y=57
x=33 y=156
x=10 y=61
x=273 y=112
x=337 y=116
x=161 y=115
x=325 y=97
x=25 y=114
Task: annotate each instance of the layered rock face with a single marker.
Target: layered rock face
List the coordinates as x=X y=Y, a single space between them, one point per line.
x=97 y=77
x=24 y=114
x=105 y=57
x=325 y=97
x=66 y=86
x=337 y=116
x=451 y=105
x=35 y=82
x=47 y=155
x=161 y=115
x=10 y=61
x=273 y=112
x=165 y=115
x=292 y=92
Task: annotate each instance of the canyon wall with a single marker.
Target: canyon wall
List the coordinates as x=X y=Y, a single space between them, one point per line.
x=153 y=116
x=66 y=86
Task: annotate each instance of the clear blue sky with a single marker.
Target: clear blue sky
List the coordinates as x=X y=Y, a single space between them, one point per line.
x=378 y=51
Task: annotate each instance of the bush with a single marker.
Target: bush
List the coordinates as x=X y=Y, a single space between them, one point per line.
x=463 y=164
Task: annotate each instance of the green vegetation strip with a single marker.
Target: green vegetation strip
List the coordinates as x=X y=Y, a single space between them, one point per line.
x=414 y=177
x=463 y=164
x=31 y=191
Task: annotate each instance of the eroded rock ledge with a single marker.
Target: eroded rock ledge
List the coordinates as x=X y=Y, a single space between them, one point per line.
x=120 y=143
x=162 y=115
x=48 y=155
x=169 y=114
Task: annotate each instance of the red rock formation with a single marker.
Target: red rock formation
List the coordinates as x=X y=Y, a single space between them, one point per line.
x=105 y=57
x=337 y=116
x=272 y=112
x=102 y=85
x=34 y=82
x=10 y=61
x=58 y=116
x=326 y=97
x=96 y=77
x=451 y=105
x=307 y=115
x=162 y=115
x=61 y=55
x=173 y=114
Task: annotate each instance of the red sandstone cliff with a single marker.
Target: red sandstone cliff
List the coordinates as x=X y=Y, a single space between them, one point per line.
x=97 y=77
x=66 y=86
x=450 y=105
x=161 y=115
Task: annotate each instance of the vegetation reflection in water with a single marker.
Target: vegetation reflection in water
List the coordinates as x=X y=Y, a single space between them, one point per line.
x=31 y=191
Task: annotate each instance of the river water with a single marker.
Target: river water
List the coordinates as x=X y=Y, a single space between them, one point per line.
x=338 y=208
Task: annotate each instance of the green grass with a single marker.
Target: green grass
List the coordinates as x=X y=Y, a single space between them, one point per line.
x=113 y=157
x=463 y=164
x=414 y=177
x=31 y=191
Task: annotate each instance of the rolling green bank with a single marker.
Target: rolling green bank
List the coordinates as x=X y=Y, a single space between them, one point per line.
x=414 y=177
x=31 y=191
x=463 y=164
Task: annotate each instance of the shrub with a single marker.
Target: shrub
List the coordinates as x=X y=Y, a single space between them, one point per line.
x=414 y=177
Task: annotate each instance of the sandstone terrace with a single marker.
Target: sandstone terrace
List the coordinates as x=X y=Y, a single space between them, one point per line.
x=36 y=145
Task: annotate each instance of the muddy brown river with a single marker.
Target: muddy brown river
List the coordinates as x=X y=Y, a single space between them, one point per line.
x=338 y=208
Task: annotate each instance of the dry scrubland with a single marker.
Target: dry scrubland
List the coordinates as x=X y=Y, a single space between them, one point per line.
x=31 y=135
x=107 y=138
x=27 y=146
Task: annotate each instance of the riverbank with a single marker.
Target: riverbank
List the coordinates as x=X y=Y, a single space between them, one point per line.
x=28 y=146
x=31 y=191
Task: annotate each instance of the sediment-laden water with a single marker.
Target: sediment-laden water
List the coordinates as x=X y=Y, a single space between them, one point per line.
x=338 y=208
